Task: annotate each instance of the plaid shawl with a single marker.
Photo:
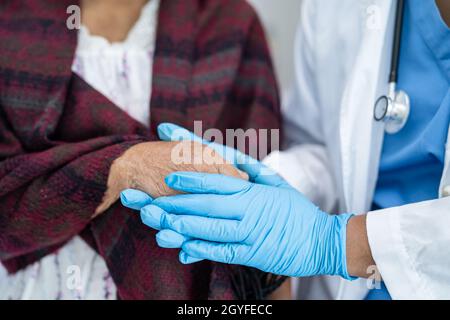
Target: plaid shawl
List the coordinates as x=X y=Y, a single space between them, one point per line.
x=58 y=136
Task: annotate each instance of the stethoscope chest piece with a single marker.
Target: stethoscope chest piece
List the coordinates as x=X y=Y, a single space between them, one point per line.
x=394 y=112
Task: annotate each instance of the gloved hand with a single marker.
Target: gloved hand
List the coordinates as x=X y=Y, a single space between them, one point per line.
x=264 y=224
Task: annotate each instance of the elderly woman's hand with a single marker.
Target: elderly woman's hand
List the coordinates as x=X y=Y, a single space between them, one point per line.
x=144 y=167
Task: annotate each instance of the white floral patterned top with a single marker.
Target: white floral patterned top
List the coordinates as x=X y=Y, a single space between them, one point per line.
x=122 y=72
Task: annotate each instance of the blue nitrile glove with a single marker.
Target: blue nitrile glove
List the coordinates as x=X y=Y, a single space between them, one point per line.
x=266 y=224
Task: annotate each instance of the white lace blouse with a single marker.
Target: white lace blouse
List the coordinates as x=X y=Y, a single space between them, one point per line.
x=122 y=72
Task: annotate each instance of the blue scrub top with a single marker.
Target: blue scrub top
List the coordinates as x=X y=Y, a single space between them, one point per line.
x=412 y=160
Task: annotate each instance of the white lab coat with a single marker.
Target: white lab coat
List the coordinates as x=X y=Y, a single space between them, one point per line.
x=343 y=52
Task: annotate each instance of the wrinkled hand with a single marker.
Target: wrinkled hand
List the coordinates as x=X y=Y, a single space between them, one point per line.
x=144 y=166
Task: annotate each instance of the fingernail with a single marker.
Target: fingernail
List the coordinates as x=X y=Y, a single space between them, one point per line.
x=183 y=257
x=162 y=131
x=187 y=259
x=126 y=197
x=134 y=199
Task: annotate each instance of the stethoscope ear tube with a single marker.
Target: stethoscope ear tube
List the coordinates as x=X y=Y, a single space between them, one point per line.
x=393 y=74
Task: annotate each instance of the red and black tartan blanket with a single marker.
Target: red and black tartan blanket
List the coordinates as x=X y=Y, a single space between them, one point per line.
x=58 y=136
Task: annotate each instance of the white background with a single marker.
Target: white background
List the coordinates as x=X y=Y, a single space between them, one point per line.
x=280 y=19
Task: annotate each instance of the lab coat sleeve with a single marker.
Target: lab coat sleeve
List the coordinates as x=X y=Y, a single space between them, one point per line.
x=410 y=246
x=305 y=163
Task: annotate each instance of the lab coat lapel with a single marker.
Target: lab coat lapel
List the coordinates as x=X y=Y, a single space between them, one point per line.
x=362 y=137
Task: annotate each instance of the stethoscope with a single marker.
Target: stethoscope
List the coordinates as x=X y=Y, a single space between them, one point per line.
x=393 y=109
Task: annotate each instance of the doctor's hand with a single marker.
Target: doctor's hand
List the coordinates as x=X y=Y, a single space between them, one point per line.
x=264 y=224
